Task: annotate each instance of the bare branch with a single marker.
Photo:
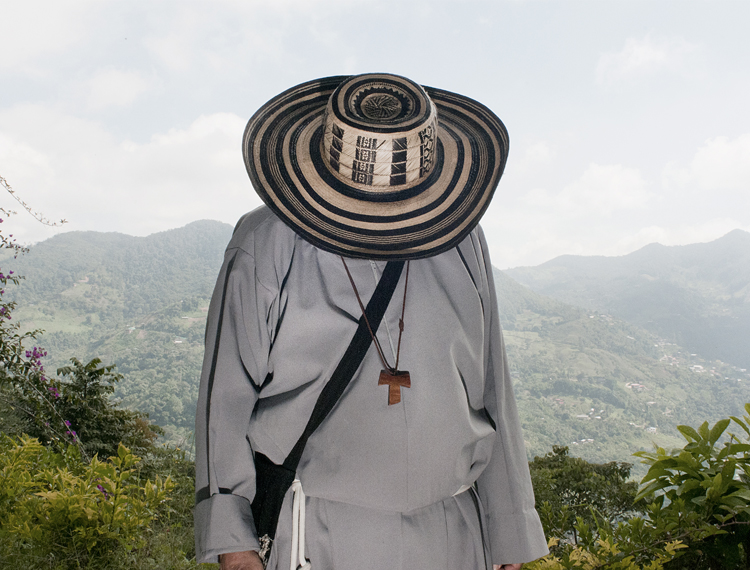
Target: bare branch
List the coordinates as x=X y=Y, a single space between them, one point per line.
x=38 y=216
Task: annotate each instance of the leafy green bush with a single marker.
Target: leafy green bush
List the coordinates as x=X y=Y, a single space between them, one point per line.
x=697 y=516
x=59 y=512
x=703 y=492
x=588 y=511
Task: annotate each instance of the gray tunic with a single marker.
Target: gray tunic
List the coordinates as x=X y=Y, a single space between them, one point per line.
x=388 y=473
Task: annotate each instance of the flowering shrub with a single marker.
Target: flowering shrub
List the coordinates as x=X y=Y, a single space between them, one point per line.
x=56 y=508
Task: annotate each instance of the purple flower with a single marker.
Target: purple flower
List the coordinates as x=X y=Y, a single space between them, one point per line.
x=67 y=423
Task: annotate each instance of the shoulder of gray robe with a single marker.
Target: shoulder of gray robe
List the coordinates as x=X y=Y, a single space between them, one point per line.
x=247 y=307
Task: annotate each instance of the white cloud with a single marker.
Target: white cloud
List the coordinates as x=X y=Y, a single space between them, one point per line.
x=584 y=217
x=71 y=168
x=647 y=56
x=33 y=28
x=539 y=153
x=115 y=88
x=535 y=156
x=601 y=191
x=721 y=165
x=243 y=32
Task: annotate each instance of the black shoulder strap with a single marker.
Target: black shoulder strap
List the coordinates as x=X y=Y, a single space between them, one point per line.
x=351 y=360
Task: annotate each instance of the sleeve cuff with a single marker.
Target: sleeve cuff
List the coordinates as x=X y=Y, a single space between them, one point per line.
x=517 y=538
x=223 y=523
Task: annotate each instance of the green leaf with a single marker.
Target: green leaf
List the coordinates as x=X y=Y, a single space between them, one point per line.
x=733 y=449
x=688 y=486
x=717 y=430
x=660 y=469
x=742 y=424
x=689 y=433
x=727 y=472
x=652 y=488
x=703 y=431
x=742 y=494
x=716 y=484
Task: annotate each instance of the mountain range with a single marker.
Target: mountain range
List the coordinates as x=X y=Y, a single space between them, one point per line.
x=697 y=295
x=604 y=352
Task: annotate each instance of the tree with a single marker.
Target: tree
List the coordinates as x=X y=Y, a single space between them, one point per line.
x=100 y=424
x=568 y=487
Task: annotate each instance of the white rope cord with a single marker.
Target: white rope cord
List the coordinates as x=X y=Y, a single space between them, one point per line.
x=298 y=560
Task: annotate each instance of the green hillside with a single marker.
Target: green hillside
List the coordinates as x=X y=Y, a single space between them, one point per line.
x=601 y=385
x=695 y=295
x=123 y=299
x=583 y=378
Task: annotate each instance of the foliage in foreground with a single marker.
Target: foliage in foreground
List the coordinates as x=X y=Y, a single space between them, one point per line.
x=56 y=508
x=697 y=515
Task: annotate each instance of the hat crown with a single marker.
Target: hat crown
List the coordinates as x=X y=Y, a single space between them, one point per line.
x=380 y=133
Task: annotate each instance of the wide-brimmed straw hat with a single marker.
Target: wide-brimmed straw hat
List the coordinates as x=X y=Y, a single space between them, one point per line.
x=375 y=166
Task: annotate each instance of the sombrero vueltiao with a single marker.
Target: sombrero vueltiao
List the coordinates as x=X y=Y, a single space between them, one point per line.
x=375 y=166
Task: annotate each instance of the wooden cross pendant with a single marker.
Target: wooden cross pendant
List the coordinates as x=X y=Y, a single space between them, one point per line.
x=395 y=382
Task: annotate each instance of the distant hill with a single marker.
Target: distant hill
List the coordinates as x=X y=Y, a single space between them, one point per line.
x=601 y=385
x=695 y=295
x=583 y=378
x=138 y=274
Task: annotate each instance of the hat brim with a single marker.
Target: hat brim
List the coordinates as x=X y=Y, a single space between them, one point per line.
x=282 y=152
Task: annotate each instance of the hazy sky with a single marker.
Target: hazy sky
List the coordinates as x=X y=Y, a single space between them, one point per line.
x=628 y=120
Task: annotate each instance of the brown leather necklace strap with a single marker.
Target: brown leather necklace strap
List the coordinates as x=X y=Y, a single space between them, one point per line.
x=401 y=320
x=388 y=367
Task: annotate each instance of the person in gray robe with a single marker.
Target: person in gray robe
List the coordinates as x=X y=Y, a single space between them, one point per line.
x=435 y=477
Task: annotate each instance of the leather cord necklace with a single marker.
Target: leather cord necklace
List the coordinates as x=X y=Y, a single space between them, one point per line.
x=391 y=376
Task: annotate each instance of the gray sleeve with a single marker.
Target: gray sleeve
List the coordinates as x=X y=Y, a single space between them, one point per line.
x=514 y=530
x=234 y=366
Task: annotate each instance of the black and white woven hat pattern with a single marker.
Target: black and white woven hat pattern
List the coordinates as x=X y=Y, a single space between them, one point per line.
x=375 y=166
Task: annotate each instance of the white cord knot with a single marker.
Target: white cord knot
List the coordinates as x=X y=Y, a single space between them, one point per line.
x=298 y=561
